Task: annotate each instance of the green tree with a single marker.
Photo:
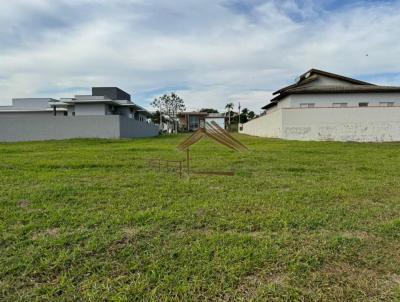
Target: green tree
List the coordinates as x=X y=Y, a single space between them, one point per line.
x=169 y=104
x=243 y=115
x=246 y=115
x=251 y=115
x=229 y=108
x=209 y=110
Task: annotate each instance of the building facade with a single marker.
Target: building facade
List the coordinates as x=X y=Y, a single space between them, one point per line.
x=327 y=106
x=193 y=120
x=107 y=113
x=218 y=118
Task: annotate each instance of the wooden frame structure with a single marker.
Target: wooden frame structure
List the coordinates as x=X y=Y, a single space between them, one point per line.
x=215 y=132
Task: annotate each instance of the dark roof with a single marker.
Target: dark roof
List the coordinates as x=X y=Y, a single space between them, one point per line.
x=334 y=75
x=113 y=93
x=270 y=105
x=302 y=86
x=336 y=89
x=305 y=81
x=312 y=75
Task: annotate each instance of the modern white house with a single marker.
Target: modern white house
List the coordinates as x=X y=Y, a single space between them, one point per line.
x=218 y=118
x=193 y=120
x=327 y=106
x=107 y=113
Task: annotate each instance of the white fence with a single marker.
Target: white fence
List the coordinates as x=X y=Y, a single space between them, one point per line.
x=365 y=124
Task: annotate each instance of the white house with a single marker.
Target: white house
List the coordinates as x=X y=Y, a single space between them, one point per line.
x=326 y=106
x=218 y=118
x=107 y=113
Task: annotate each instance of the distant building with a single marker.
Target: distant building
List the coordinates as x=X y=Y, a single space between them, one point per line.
x=107 y=113
x=168 y=124
x=326 y=106
x=218 y=118
x=193 y=120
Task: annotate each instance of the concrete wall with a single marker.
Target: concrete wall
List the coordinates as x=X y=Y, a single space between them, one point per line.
x=28 y=114
x=132 y=128
x=269 y=125
x=31 y=103
x=369 y=124
x=366 y=124
x=28 y=128
x=124 y=111
x=90 y=109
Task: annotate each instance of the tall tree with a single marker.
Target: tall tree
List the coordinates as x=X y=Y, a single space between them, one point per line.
x=209 y=110
x=229 y=107
x=243 y=115
x=246 y=115
x=251 y=115
x=169 y=104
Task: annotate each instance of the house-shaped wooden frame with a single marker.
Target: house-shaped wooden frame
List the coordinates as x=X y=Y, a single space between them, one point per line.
x=215 y=132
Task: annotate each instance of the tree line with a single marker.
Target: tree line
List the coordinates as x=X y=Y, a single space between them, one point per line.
x=172 y=104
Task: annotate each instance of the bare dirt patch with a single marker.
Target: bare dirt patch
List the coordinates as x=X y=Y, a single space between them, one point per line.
x=357 y=235
x=252 y=284
x=341 y=279
x=24 y=203
x=130 y=232
x=52 y=232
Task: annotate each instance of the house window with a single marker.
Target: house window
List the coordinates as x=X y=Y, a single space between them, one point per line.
x=340 y=105
x=363 y=104
x=194 y=122
x=307 y=105
x=65 y=113
x=73 y=113
x=386 y=104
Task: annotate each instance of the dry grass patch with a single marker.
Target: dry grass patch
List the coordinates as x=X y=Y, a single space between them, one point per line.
x=24 y=203
x=51 y=232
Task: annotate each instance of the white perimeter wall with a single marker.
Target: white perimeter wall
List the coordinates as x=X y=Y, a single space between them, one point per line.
x=269 y=125
x=370 y=124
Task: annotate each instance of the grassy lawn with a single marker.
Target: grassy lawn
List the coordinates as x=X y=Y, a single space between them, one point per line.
x=85 y=220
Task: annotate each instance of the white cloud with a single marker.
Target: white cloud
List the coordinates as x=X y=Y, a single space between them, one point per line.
x=211 y=52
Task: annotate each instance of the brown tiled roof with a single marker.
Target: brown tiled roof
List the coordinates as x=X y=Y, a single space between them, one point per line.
x=312 y=75
x=336 y=89
x=304 y=86
x=297 y=84
x=333 y=75
x=270 y=105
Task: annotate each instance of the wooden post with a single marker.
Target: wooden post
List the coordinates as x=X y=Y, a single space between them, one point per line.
x=239 y=119
x=187 y=161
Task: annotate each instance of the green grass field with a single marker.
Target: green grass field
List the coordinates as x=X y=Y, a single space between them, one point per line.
x=85 y=220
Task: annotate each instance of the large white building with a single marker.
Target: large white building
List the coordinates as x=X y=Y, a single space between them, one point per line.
x=327 y=106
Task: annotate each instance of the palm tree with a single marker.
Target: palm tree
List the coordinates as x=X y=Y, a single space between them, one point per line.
x=229 y=107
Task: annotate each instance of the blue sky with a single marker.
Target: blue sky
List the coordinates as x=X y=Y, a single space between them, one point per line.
x=211 y=52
